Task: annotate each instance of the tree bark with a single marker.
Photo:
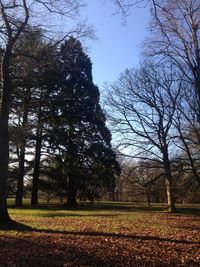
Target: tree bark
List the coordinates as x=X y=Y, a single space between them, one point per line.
x=4 y=136
x=170 y=195
x=71 y=198
x=22 y=149
x=10 y=38
x=147 y=197
x=20 y=177
x=36 y=172
x=169 y=182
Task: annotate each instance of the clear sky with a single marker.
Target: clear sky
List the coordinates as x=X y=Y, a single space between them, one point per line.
x=118 y=47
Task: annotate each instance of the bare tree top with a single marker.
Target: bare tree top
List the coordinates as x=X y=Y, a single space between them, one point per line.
x=46 y=14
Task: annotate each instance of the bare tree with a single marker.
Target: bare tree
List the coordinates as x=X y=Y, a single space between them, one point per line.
x=189 y=136
x=175 y=28
x=175 y=35
x=142 y=106
x=14 y=16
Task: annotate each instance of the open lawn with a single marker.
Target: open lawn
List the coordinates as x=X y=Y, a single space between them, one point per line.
x=102 y=235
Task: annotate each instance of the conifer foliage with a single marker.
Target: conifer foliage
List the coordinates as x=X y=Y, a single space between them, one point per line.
x=78 y=126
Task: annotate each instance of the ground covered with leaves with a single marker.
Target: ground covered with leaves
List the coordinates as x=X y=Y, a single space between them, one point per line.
x=101 y=235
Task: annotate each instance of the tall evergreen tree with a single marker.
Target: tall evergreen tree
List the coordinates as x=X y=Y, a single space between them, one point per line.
x=79 y=131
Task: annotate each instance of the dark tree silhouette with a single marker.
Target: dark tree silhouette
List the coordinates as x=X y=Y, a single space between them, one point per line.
x=78 y=127
x=14 y=18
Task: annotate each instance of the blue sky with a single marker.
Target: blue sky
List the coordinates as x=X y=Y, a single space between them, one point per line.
x=118 y=47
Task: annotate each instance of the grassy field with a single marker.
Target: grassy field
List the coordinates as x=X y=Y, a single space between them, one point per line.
x=108 y=234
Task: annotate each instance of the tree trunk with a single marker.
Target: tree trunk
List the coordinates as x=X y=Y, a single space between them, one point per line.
x=196 y=70
x=5 y=104
x=169 y=182
x=113 y=195
x=147 y=197
x=21 y=170
x=71 y=198
x=20 y=178
x=4 y=136
x=4 y=159
x=170 y=195
x=36 y=172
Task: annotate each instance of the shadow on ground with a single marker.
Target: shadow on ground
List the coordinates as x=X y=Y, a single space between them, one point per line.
x=19 y=227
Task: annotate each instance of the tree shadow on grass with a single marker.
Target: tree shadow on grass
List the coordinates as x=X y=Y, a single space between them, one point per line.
x=19 y=227
x=20 y=251
x=189 y=211
x=121 y=236
x=15 y=226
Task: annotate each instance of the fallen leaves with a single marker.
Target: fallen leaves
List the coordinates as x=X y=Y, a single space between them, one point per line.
x=122 y=239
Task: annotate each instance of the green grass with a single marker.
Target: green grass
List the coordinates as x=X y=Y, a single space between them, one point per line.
x=90 y=211
x=154 y=207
